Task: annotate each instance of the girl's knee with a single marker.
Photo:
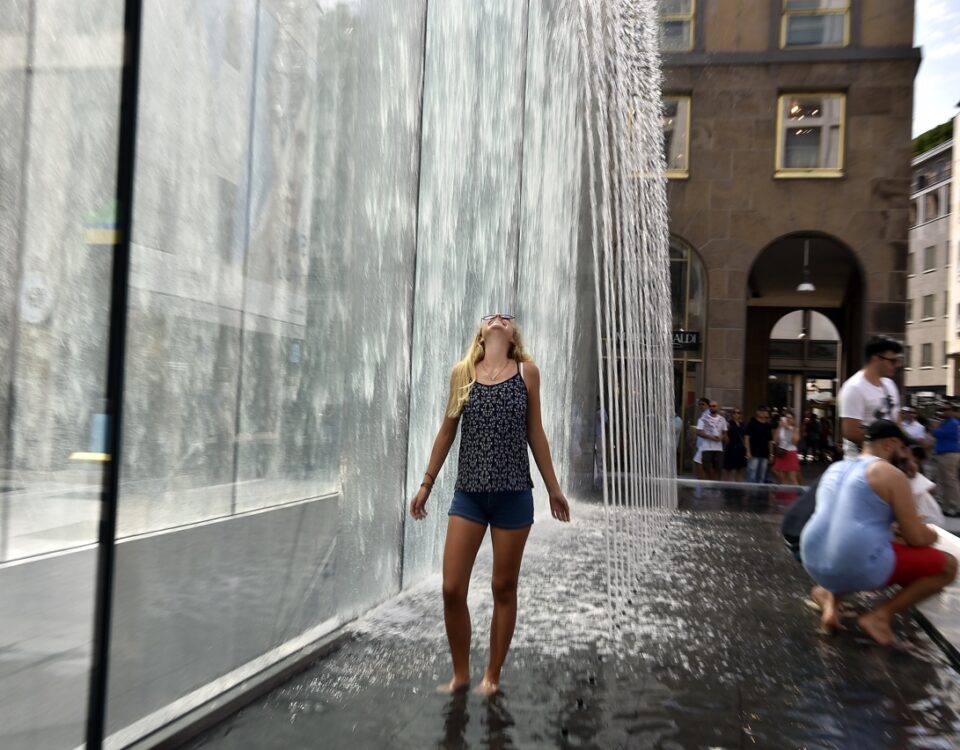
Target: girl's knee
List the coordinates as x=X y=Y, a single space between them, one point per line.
x=454 y=593
x=504 y=590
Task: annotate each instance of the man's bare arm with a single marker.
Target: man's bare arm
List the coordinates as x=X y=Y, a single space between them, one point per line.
x=852 y=430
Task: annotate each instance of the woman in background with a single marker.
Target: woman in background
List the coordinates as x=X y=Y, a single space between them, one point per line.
x=786 y=464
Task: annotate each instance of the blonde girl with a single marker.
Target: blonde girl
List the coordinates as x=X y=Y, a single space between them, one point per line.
x=495 y=393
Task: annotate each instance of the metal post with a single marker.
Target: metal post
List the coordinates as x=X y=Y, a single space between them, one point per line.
x=106 y=551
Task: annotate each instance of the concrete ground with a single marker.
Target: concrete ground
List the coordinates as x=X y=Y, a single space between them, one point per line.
x=720 y=650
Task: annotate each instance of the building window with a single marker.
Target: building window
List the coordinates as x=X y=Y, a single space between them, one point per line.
x=909 y=310
x=931 y=208
x=810 y=135
x=926 y=355
x=944 y=353
x=911 y=263
x=676 y=135
x=815 y=23
x=927 y=307
x=907 y=357
x=930 y=258
x=676 y=25
x=912 y=217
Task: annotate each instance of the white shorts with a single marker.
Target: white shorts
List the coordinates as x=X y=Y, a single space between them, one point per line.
x=698 y=458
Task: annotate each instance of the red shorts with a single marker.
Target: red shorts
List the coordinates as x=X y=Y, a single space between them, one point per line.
x=915 y=562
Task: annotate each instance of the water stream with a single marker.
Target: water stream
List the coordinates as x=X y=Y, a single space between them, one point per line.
x=542 y=193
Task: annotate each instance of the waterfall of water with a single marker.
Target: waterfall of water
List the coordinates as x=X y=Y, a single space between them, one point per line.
x=542 y=193
x=622 y=80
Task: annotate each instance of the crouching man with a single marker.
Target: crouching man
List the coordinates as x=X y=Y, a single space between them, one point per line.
x=849 y=544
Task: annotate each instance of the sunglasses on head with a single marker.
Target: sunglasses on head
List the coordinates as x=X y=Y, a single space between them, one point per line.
x=502 y=316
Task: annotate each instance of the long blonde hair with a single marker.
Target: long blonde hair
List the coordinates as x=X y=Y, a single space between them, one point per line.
x=464 y=373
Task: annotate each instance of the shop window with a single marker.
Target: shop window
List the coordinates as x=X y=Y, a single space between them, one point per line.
x=676 y=25
x=815 y=23
x=927 y=307
x=676 y=135
x=810 y=135
x=926 y=355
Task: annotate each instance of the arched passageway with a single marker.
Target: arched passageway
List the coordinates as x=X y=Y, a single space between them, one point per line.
x=805 y=273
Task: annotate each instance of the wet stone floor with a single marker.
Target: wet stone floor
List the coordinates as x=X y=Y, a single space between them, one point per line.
x=722 y=652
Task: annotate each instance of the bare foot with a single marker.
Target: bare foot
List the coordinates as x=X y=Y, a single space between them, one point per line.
x=487 y=688
x=454 y=686
x=877 y=627
x=827 y=603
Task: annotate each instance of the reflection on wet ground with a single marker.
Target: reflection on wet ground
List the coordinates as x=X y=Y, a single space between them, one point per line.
x=724 y=653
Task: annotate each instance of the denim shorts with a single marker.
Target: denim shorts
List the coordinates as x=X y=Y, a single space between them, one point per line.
x=512 y=509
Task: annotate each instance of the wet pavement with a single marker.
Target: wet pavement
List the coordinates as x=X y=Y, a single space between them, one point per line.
x=721 y=651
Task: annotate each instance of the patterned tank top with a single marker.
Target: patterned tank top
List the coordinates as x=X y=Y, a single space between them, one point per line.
x=493 y=438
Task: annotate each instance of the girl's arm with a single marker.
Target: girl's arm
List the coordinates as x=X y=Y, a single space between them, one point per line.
x=539 y=445
x=441 y=447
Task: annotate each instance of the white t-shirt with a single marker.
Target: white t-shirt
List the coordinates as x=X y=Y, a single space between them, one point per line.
x=915 y=431
x=927 y=508
x=714 y=425
x=862 y=400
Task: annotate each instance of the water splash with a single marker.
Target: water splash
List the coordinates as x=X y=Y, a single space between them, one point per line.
x=629 y=228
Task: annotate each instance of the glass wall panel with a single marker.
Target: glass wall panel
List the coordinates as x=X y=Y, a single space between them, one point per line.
x=268 y=366
x=59 y=109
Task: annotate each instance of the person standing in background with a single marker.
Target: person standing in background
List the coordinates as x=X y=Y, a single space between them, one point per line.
x=948 y=460
x=913 y=428
x=870 y=394
x=757 y=438
x=786 y=465
x=735 y=451
x=712 y=428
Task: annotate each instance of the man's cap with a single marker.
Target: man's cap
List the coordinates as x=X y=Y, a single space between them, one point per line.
x=884 y=428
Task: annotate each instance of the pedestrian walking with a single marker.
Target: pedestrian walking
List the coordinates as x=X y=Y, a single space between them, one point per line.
x=495 y=393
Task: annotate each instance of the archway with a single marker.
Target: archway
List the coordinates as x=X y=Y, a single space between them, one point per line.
x=830 y=283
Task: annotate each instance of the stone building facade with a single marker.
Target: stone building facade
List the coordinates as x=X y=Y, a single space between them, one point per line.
x=797 y=142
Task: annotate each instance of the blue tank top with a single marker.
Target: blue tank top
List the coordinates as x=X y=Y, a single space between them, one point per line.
x=847 y=544
x=493 y=438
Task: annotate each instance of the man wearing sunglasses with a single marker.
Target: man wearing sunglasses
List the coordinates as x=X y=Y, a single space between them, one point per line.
x=870 y=394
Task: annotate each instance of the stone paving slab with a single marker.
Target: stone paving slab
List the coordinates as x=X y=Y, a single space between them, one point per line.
x=723 y=652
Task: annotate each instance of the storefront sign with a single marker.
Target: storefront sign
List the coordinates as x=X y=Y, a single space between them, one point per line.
x=686 y=341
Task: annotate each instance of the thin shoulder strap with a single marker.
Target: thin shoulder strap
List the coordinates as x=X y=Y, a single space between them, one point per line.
x=520 y=367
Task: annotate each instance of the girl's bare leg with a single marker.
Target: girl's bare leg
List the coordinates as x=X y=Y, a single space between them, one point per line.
x=508 y=547
x=459 y=553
